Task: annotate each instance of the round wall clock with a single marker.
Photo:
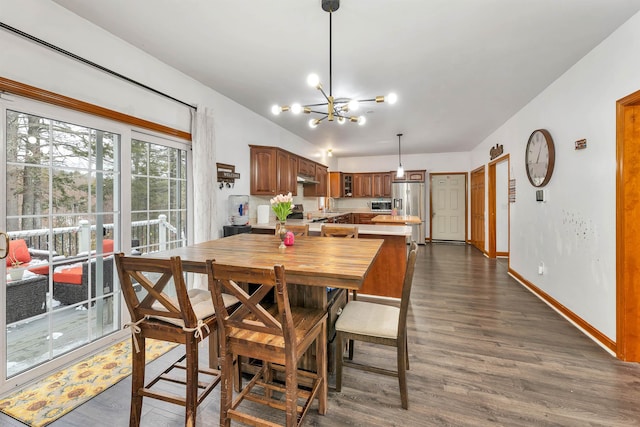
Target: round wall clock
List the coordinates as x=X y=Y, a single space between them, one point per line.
x=540 y=157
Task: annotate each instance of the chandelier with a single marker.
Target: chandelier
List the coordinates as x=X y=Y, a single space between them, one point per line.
x=338 y=109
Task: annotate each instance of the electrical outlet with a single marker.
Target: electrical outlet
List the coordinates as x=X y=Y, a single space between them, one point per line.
x=541 y=268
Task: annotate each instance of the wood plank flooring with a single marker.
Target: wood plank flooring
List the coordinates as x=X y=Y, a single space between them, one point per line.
x=483 y=352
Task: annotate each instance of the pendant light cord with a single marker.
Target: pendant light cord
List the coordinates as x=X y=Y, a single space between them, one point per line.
x=330 y=56
x=399 y=156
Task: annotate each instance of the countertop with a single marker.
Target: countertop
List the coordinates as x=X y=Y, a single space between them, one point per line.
x=396 y=219
x=389 y=230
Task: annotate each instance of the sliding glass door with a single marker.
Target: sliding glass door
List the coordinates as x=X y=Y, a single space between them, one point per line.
x=78 y=189
x=61 y=183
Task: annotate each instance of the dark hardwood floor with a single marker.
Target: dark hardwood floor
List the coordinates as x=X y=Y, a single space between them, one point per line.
x=483 y=351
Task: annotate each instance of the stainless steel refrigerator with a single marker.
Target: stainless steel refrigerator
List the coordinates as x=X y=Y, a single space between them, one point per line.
x=409 y=199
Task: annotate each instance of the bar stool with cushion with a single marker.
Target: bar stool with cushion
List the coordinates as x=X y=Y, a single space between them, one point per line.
x=296 y=229
x=378 y=324
x=338 y=231
x=278 y=336
x=187 y=318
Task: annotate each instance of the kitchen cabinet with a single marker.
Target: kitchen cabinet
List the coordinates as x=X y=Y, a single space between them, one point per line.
x=306 y=167
x=362 y=185
x=413 y=176
x=344 y=219
x=381 y=184
x=273 y=171
x=335 y=184
x=286 y=173
x=263 y=170
x=363 y=218
x=322 y=176
x=386 y=184
x=347 y=185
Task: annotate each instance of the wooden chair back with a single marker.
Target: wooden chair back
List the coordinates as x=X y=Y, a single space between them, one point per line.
x=251 y=315
x=406 y=289
x=296 y=229
x=154 y=275
x=186 y=318
x=255 y=331
x=339 y=231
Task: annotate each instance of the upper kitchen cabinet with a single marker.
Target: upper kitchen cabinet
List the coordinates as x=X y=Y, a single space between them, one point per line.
x=287 y=173
x=381 y=184
x=322 y=176
x=273 y=171
x=335 y=184
x=414 y=176
x=306 y=167
x=362 y=185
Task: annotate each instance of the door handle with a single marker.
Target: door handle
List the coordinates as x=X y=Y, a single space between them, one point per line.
x=6 y=246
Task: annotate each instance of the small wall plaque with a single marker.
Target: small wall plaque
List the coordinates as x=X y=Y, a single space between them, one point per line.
x=581 y=144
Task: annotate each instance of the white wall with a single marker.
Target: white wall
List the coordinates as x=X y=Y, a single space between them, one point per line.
x=573 y=233
x=28 y=62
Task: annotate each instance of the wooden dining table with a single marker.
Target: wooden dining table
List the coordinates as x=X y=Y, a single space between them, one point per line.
x=312 y=266
x=315 y=261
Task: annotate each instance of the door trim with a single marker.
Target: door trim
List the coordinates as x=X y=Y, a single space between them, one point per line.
x=492 y=253
x=627 y=231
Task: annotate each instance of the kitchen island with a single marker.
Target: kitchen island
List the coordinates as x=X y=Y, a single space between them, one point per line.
x=387 y=273
x=396 y=219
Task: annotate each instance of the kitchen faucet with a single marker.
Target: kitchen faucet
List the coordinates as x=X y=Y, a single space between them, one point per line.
x=331 y=203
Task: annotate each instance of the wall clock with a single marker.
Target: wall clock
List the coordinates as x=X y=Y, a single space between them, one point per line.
x=540 y=157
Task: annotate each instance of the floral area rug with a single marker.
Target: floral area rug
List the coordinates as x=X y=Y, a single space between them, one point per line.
x=47 y=400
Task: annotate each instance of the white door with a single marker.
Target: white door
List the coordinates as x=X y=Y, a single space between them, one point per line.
x=448 y=208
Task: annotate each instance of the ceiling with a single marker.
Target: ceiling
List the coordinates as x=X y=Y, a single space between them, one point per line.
x=460 y=68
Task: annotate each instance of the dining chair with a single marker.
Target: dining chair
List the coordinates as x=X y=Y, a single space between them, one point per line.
x=278 y=336
x=296 y=229
x=186 y=318
x=378 y=324
x=338 y=231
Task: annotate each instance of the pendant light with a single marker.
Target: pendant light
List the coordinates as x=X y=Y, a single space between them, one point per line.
x=400 y=172
x=337 y=109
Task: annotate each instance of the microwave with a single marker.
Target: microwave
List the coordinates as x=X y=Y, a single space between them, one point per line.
x=381 y=205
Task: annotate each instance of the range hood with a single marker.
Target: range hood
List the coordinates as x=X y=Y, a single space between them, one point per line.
x=307 y=180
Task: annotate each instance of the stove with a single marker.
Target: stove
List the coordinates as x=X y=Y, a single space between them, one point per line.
x=297 y=212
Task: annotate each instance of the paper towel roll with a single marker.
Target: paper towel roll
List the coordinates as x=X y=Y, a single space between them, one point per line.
x=263 y=214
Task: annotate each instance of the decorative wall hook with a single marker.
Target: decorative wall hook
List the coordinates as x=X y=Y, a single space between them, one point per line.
x=227 y=175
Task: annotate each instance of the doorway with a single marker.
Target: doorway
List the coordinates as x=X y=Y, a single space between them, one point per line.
x=628 y=227
x=448 y=206
x=499 y=207
x=477 y=208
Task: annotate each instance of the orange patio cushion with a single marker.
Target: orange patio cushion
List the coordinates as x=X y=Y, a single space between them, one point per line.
x=71 y=275
x=41 y=269
x=18 y=251
x=107 y=246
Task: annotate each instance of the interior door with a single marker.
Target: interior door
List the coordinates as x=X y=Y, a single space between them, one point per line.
x=448 y=207
x=477 y=208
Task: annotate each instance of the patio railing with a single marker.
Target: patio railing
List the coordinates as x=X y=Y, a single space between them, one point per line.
x=147 y=236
